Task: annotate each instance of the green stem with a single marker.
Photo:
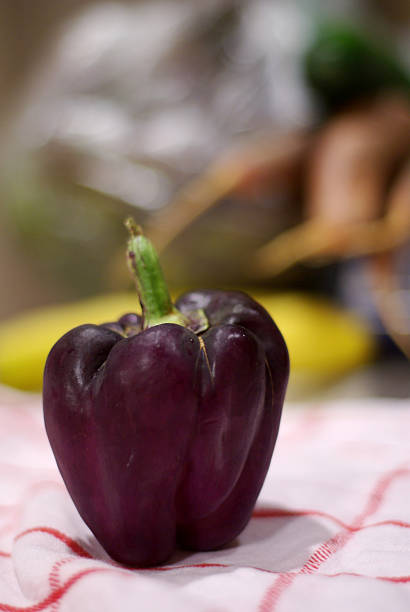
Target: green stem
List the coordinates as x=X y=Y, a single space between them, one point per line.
x=153 y=293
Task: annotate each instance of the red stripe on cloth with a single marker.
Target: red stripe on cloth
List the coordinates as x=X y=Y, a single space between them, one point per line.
x=383 y=523
x=289 y=575
x=54 y=578
x=377 y=496
x=72 y=544
x=57 y=594
x=401 y=579
x=334 y=544
x=54 y=595
x=266 y=513
x=164 y=568
x=262 y=512
x=4 y=554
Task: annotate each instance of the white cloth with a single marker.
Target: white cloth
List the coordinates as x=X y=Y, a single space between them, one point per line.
x=331 y=530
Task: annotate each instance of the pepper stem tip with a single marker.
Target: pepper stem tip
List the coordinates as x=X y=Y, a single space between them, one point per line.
x=133 y=228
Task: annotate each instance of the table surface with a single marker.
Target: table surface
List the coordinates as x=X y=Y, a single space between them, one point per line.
x=331 y=530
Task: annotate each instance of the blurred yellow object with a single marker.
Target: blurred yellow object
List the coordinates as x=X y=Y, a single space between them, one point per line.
x=26 y=340
x=323 y=340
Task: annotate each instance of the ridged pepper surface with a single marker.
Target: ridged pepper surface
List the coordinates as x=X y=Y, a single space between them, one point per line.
x=163 y=426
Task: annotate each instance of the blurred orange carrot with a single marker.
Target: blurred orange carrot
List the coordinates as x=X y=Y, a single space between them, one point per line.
x=388 y=294
x=348 y=174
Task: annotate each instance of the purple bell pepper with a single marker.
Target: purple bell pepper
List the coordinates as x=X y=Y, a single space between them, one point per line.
x=163 y=426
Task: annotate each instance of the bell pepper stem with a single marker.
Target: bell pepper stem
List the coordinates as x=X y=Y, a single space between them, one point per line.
x=153 y=294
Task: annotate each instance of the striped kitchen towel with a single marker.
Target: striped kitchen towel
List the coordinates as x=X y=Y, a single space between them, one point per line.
x=331 y=530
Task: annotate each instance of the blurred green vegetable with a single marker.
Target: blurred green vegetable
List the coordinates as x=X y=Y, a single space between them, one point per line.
x=344 y=63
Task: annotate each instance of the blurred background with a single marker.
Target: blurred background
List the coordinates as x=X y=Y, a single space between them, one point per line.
x=263 y=145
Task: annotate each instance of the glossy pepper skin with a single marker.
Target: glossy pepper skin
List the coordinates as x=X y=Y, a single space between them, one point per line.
x=163 y=436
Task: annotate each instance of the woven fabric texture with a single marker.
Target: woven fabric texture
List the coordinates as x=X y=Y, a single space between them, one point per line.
x=331 y=530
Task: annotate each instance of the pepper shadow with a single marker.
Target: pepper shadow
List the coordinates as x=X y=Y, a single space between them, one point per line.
x=91 y=546
x=280 y=540
x=275 y=539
